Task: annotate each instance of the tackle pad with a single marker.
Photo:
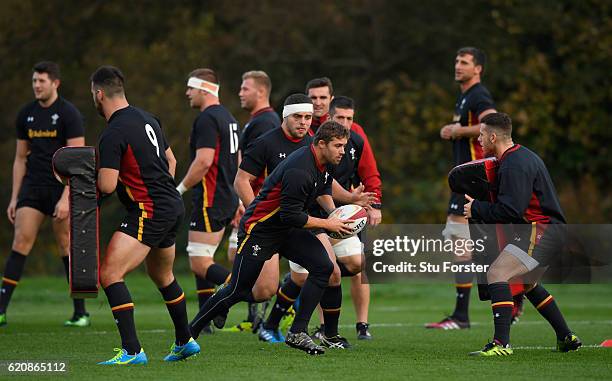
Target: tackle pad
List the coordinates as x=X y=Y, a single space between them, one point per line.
x=76 y=166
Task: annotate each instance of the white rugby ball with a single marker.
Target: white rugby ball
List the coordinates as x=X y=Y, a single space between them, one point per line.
x=350 y=212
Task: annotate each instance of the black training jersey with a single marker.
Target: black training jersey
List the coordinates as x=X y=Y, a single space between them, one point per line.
x=269 y=151
x=261 y=122
x=345 y=172
x=133 y=144
x=47 y=130
x=467 y=109
x=289 y=191
x=216 y=128
x=526 y=193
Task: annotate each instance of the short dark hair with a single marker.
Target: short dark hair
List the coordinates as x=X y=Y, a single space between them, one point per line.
x=342 y=102
x=479 y=56
x=296 y=99
x=51 y=68
x=110 y=79
x=205 y=74
x=500 y=122
x=320 y=82
x=329 y=131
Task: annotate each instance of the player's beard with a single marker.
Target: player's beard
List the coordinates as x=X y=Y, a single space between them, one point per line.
x=43 y=97
x=248 y=105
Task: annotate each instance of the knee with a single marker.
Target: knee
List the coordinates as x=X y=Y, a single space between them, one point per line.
x=264 y=292
x=335 y=278
x=22 y=243
x=235 y=293
x=496 y=274
x=161 y=280
x=200 y=265
x=322 y=273
x=108 y=276
x=328 y=268
x=299 y=278
x=353 y=267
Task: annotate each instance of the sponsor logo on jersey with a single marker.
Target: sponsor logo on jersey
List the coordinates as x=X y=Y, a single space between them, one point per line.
x=41 y=133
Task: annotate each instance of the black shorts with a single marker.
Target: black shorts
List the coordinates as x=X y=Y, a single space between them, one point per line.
x=43 y=199
x=541 y=243
x=297 y=245
x=455 y=204
x=211 y=219
x=155 y=233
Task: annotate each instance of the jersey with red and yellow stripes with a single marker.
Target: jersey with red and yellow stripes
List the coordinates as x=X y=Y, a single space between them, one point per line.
x=133 y=144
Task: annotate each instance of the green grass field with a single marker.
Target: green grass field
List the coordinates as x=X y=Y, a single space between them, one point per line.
x=401 y=348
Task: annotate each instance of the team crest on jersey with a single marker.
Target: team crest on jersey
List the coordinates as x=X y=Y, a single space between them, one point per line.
x=256 y=249
x=352 y=151
x=54 y=119
x=462 y=103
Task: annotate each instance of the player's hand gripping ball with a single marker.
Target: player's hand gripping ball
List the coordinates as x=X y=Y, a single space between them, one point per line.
x=350 y=212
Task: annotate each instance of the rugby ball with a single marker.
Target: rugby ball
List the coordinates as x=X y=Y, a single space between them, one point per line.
x=350 y=212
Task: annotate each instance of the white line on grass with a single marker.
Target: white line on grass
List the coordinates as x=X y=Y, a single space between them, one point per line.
x=554 y=348
x=79 y=332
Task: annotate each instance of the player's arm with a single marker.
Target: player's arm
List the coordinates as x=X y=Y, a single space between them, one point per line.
x=242 y=186
x=326 y=202
x=251 y=167
x=296 y=185
x=515 y=187
x=358 y=197
x=459 y=131
x=19 y=171
x=171 y=161
x=111 y=147
x=107 y=180
x=198 y=169
x=207 y=135
x=480 y=104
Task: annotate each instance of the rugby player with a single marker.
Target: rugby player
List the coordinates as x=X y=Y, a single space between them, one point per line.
x=135 y=159
x=276 y=222
x=526 y=199
x=43 y=126
x=214 y=160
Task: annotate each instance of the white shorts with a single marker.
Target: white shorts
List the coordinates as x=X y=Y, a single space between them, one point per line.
x=347 y=247
x=343 y=248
